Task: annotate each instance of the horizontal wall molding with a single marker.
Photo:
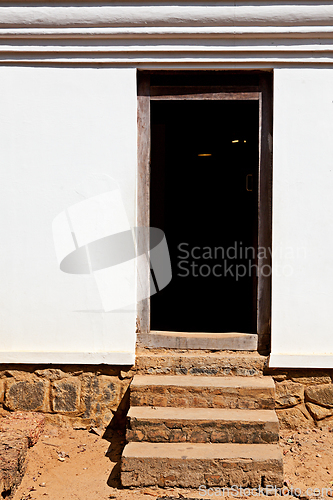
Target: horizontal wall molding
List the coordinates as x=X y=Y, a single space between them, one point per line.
x=170 y=33
x=168 y=57
x=223 y=13
x=152 y=35
x=300 y=361
x=93 y=358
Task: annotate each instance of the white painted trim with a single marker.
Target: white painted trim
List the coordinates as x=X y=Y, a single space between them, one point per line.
x=189 y=35
x=173 y=32
x=170 y=60
x=86 y=358
x=300 y=361
x=185 y=50
x=186 y=13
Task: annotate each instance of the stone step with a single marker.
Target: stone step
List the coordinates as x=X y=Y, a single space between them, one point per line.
x=203 y=392
x=192 y=465
x=233 y=341
x=199 y=362
x=202 y=425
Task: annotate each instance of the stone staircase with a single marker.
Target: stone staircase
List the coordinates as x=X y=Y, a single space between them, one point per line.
x=201 y=418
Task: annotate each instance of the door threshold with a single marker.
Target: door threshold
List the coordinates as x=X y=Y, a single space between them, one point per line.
x=229 y=341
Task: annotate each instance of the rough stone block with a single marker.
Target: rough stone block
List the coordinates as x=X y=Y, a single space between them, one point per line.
x=126 y=373
x=177 y=436
x=157 y=434
x=219 y=436
x=198 y=436
x=310 y=376
x=162 y=401
x=202 y=371
x=27 y=395
x=199 y=402
x=51 y=374
x=101 y=396
x=66 y=395
x=312 y=380
x=288 y=394
x=134 y=435
x=320 y=394
x=245 y=372
x=319 y=412
x=279 y=377
x=294 y=418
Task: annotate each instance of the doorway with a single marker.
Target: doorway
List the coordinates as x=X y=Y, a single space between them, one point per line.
x=204 y=178
x=203 y=195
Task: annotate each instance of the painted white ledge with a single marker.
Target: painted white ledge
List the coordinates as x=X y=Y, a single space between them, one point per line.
x=153 y=52
x=186 y=13
x=173 y=32
x=82 y=358
x=165 y=62
x=153 y=35
x=178 y=50
x=300 y=361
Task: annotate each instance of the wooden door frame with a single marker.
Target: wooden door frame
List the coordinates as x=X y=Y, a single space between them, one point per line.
x=239 y=86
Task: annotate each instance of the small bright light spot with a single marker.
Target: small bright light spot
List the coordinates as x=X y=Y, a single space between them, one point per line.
x=244 y=142
x=205 y=154
x=234 y=142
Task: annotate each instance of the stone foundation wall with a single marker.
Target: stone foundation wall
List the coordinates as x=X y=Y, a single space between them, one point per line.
x=304 y=398
x=96 y=395
x=84 y=396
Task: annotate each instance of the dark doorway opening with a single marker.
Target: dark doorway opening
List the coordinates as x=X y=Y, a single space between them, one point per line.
x=204 y=196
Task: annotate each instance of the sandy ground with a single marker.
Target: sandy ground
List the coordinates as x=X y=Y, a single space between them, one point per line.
x=69 y=464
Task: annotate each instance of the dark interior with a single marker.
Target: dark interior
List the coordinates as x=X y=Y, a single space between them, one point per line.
x=204 y=183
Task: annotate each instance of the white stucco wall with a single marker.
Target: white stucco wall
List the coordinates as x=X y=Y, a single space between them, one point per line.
x=57 y=126
x=302 y=298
